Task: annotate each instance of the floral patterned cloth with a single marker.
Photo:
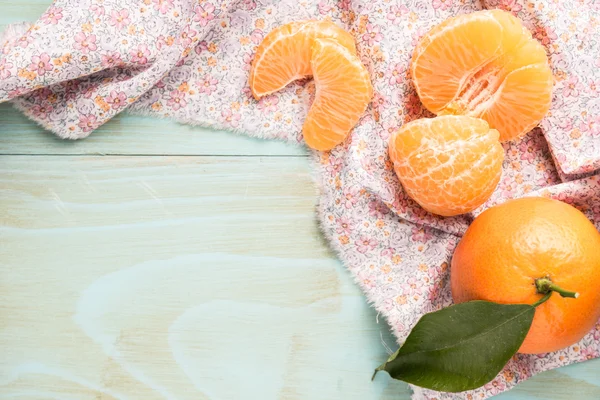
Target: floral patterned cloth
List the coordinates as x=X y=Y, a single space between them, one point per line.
x=84 y=61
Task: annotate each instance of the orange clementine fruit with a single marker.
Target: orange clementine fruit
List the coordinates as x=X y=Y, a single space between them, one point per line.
x=328 y=53
x=486 y=65
x=284 y=54
x=510 y=246
x=343 y=92
x=450 y=165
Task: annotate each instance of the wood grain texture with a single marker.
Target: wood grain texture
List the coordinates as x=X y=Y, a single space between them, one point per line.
x=128 y=134
x=178 y=278
x=186 y=278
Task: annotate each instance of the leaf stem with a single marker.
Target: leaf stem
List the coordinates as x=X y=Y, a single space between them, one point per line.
x=545 y=286
x=392 y=357
x=376 y=371
x=542 y=300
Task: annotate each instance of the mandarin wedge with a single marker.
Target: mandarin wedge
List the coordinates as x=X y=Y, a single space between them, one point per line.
x=284 y=54
x=484 y=65
x=515 y=252
x=450 y=164
x=343 y=92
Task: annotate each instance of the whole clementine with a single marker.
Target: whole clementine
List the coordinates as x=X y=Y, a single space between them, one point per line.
x=515 y=252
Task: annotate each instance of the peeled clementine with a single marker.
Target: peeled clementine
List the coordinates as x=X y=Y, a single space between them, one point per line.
x=284 y=54
x=485 y=65
x=510 y=247
x=323 y=50
x=450 y=165
x=343 y=93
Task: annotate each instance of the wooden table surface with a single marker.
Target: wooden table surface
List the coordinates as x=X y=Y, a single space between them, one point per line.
x=156 y=260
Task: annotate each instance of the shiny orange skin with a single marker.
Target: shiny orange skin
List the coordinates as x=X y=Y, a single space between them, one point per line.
x=510 y=245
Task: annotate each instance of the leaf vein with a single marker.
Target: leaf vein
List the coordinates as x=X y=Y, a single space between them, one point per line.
x=471 y=338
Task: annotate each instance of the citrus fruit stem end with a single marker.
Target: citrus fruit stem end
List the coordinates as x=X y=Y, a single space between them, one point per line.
x=542 y=300
x=545 y=286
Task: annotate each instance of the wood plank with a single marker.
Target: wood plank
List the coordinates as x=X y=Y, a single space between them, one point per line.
x=134 y=135
x=21 y=10
x=176 y=277
x=187 y=277
x=578 y=381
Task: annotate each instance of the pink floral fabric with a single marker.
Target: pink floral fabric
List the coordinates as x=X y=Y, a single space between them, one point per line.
x=84 y=61
x=568 y=30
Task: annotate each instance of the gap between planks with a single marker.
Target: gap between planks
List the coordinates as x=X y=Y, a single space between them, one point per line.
x=156 y=155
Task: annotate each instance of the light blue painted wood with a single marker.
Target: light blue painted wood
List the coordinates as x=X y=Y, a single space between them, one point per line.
x=12 y=11
x=128 y=134
x=180 y=275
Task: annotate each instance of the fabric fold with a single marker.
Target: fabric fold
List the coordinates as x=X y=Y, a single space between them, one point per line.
x=568 y=31
x=71 y=77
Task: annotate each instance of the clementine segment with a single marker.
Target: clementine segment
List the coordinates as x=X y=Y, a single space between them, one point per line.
x=509 y=246
x=343 y=93
x=447 y=54
x=284 y=54
x=328 y=53
x=484 y=65
x=450 y=165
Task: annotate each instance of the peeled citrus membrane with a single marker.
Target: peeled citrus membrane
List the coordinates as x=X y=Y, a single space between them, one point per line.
x=284 y=54
x=343 y=93
x=328 y=53
x=450 y=164
x=484 y=65
x=482 y=73
x=487 y=80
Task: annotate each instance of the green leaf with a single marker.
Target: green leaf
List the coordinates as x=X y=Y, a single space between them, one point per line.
x=461 y=347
